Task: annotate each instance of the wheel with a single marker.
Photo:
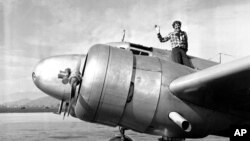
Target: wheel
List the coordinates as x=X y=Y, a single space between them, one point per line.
x=120 y=138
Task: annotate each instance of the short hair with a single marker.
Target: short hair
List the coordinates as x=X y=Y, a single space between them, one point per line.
x=176 y=22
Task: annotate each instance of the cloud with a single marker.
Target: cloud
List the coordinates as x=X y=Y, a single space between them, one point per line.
x=39 y=29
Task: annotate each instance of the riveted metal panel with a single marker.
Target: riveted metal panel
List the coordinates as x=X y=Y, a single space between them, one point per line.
x=93 y=80
x=147 y=63
x=140 y=111
x=116 y=87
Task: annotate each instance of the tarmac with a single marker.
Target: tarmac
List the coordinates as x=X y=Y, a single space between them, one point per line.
x=52 y=127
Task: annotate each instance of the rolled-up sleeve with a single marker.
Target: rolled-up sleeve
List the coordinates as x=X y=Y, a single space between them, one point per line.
x=163 y=39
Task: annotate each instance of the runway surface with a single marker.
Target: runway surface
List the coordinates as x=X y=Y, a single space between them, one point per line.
x=51 y=127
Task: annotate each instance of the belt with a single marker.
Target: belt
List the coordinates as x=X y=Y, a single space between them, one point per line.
x=180 y=47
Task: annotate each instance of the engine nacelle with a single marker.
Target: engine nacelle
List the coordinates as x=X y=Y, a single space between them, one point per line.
x=105 y=85
x=119 y=88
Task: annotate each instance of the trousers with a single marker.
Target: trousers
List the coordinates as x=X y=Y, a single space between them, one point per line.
x=179 y=56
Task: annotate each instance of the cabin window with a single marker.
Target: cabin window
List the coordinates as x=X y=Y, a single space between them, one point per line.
x=144 y=53
x=137 y=52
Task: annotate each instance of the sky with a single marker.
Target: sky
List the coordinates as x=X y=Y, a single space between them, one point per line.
x=31 y=30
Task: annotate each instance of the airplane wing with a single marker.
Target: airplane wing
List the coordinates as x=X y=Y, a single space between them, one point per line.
x=224 y=87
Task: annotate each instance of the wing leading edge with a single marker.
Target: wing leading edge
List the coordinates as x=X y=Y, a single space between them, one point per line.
x=224 y=87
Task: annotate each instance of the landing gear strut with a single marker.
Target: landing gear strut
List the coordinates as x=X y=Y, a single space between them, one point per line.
x=122 y=136
x=171 y=139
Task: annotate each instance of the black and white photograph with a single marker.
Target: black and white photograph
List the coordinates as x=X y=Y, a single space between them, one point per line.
x=124 y=70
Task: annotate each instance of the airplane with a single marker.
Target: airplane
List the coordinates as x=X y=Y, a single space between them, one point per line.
x=140 y=88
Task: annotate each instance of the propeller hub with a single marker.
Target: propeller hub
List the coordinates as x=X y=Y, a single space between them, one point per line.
x=64 y=75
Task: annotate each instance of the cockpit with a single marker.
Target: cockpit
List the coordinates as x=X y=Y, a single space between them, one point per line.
x=136 y=49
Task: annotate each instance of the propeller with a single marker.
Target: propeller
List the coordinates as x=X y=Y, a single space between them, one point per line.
x=74 y=82
x=66 y=107
x=74 y=79
x=64 y=75
x=82 y=74
x=60 y=107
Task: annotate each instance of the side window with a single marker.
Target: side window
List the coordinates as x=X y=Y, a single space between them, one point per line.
x=137 y=52
x=144 y=53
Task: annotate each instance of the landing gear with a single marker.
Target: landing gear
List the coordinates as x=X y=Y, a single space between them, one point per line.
x=122 y=136
x=171 y=139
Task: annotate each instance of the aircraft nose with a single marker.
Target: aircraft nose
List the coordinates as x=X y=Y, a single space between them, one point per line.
x=45 y=74
x=34 y=77
x=36 y=74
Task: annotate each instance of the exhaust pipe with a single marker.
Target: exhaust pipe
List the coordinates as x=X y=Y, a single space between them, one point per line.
x=180 y=121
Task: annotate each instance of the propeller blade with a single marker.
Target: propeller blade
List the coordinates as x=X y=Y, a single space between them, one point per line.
x=71 y=100
x=66 y=108
x=74 y=81
x=60 y=107
x=82 y=74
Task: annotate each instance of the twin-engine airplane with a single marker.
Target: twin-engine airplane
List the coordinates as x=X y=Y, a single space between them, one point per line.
x=140 y=88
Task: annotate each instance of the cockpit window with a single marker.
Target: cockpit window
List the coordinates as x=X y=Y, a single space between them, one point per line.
x=144 y=53
x=136 y=49
x=141 y=47
x=140 y=50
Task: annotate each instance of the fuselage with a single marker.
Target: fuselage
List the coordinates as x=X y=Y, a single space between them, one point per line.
x=127 y=85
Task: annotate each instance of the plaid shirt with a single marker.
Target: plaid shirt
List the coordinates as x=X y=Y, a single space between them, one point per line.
x=177 y=39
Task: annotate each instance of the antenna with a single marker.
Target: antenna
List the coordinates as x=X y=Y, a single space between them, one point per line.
x=220 y=56
x=224 y=55
x=124 y=33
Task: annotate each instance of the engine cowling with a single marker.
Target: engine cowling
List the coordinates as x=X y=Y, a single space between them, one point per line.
x=119 y=88
x=105 y=85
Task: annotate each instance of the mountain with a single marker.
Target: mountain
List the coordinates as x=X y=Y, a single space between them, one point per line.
x=17 y=103
x=23 y=96
x=44 y=101
x=39 y=102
